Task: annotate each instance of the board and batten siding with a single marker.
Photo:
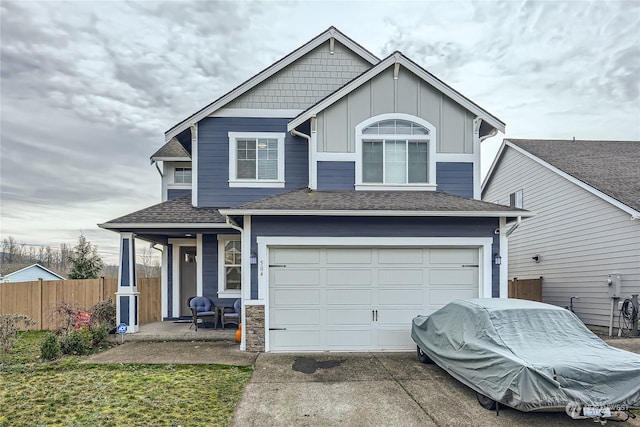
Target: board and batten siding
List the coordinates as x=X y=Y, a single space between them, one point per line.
x=306 y=81
x=213 y=161
x=579 y=237
x=374 y=227
x=409 y=95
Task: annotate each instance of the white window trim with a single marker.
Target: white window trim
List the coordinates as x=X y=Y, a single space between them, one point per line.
x=222 y=291
x=431 y=138
x=177 y=244
x=255 y=183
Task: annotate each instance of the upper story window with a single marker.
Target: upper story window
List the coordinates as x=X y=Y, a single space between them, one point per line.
x=182 y=176
x=256 y=159
x=395 y=150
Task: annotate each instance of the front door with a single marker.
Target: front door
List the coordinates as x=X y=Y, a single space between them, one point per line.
x=188 y=273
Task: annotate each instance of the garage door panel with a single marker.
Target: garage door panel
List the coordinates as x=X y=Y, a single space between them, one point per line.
x=296 y=277
x=349 y=317
x=349 y=256
x=295 y=256
x=339 y=277
x=400 y=277
x=401 y=256
x=348 y=297
x=345 y=339
x=453 y=256
x=400 y=317
x=303 y=339
x=295 y=317
x=293 y=297
x=450 y=276
x=400 y=296
x=395 y=339
x=441 y=297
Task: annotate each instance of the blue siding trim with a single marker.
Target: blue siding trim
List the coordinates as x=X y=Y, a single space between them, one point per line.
x=170 y=281
x=375 y=227
x=213 y=158
x=174 y=193
x=455 y=178
x=124 y=310
x=126 y=280
x=210 y=266
x=336 y=175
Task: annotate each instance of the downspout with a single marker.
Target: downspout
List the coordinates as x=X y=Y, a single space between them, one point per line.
x=153 y=162
x=308 y=138
x=516 y=225
x=231 y=223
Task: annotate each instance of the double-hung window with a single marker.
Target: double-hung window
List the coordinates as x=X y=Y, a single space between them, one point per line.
x=396 y=152
x=229 y=265
x=182 y=176
x=256 y=159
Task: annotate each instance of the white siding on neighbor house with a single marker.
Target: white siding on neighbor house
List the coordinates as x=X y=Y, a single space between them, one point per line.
x=408 y=94
x=306 y=81
x=579 y=237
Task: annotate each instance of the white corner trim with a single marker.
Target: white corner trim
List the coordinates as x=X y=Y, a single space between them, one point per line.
x=199 y=265
x=634 y=213
x=194 y=164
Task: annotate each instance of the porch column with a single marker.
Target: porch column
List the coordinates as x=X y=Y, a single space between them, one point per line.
x=127 y=303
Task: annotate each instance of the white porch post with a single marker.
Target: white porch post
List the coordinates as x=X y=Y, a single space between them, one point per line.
x=504 y=253
x=127 y=302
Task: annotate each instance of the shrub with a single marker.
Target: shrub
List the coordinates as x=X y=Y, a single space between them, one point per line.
x=75 y=342
x=50 y=347
x=104 y=312
x=64 y=316
x=98 y=333
x=9 y=327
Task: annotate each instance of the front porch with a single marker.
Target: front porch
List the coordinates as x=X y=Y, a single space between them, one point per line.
x=170 y=330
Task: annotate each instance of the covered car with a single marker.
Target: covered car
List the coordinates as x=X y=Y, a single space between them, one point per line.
x=529 y=356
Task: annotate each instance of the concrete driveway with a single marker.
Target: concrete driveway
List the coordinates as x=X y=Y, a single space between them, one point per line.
x=380 y=389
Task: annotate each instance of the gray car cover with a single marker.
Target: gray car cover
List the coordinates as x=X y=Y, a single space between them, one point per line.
x=528 y=355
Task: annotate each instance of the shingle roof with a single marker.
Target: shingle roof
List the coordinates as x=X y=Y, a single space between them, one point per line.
x=416 y=201
x=175 y=211
x=612 y=167
x=171 y=150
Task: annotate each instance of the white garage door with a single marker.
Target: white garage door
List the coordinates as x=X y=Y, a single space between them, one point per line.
x=361 y=298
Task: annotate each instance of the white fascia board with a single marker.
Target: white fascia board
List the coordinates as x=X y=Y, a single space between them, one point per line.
x=420 y=72
x=387 y=213
x=634 y=213
x=206 y=225
x=496 y=159
x=256 y=112
x=268 y=72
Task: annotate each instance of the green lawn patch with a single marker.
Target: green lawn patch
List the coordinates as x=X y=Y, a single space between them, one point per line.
x=64 y=392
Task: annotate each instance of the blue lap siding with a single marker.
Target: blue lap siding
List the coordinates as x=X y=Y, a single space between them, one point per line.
x=336 y=175
x=213 y=161
x=455 y=178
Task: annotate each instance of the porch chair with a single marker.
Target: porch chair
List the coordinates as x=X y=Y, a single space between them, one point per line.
x=232 y=314
x=202 y=308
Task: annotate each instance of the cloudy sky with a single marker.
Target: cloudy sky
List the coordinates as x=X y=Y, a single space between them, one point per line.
x=88 y=88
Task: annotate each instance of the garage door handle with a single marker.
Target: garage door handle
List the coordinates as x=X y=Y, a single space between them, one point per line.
x=374 y=315
x=277 y=329
x=470 y=265
x=276 y=265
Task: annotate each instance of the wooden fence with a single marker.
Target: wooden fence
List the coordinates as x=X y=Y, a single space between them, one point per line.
x=38 y=299
x=529 y=289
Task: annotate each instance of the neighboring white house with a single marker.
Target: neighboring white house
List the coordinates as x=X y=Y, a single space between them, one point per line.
x=31 y=273
x=586 y=196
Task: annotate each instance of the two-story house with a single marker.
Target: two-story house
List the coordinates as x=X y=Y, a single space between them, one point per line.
x=336 y=193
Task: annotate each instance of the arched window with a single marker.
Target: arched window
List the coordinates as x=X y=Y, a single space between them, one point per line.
x=395 y=151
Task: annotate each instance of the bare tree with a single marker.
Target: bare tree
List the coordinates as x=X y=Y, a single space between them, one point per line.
x=149 y=263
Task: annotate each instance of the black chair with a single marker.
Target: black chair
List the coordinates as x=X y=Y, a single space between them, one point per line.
x=232 y=314
x=202 y=308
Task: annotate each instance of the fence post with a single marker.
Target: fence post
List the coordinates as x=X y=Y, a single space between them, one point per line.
x=40 y=281
x=101 y=288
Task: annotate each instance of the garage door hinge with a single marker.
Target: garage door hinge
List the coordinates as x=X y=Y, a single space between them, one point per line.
x=277 y=329
x=470 y=265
